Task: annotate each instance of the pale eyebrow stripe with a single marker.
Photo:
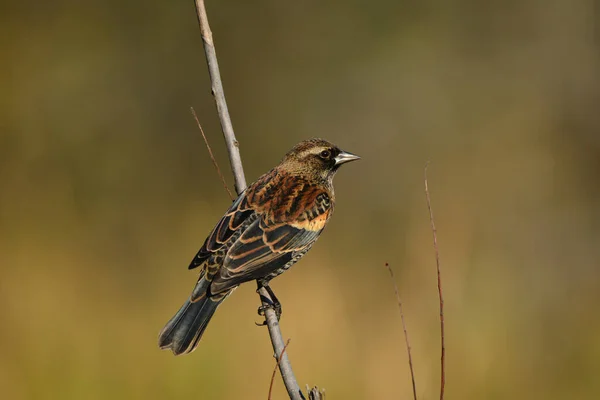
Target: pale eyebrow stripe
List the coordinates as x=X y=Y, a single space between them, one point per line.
x=314 y=151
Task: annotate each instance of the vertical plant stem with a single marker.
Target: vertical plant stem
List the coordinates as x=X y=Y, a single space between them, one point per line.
x=440 y=292
x=233 y=146
x=406 y=340
x=235 y=160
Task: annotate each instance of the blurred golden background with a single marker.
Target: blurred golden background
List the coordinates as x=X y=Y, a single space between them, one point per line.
x=107 y=192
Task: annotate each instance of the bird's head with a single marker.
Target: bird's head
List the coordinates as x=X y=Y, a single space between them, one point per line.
x=316 y=158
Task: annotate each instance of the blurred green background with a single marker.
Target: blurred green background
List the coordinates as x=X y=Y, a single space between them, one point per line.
x=107 y=192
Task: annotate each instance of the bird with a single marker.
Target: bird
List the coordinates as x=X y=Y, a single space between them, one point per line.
x=268 y=228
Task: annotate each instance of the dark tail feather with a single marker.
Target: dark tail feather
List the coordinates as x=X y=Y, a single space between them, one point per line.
x=184 y=330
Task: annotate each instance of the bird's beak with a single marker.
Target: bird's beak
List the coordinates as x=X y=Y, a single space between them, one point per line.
x=345 y=157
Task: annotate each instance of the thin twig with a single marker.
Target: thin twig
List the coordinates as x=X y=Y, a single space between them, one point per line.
x=233 y=146
x=440 y=293
x=212 y=156
x=275 y=369
x=408 y=350
x=285 y=366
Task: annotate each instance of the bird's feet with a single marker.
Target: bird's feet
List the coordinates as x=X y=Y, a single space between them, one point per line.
x=268 y=303
x=274 y=306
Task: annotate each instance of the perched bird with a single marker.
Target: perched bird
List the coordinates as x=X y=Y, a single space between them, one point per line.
x=267 y=229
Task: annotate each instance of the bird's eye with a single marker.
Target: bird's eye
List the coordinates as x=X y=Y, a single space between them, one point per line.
x=325 y=154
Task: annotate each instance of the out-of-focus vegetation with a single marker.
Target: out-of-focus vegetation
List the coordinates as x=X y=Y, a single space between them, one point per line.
x=107 y=192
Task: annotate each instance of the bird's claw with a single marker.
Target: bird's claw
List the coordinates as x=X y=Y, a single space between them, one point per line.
x=268 y=304
x=261 y=312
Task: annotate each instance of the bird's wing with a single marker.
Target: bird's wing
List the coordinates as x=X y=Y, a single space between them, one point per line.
x=284 y=229
x=239 y=212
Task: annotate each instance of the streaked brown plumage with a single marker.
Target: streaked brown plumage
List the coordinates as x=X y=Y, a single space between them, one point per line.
x=269 y=227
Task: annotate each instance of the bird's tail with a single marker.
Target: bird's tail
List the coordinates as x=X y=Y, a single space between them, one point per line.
x=183 y=332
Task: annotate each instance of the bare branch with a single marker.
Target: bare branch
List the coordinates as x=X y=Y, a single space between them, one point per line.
x=440 y=293
x=277 y=365
x=212 y=156
x=240 y=185
x=285 y=367
x=408 y=349
x=233 y=146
